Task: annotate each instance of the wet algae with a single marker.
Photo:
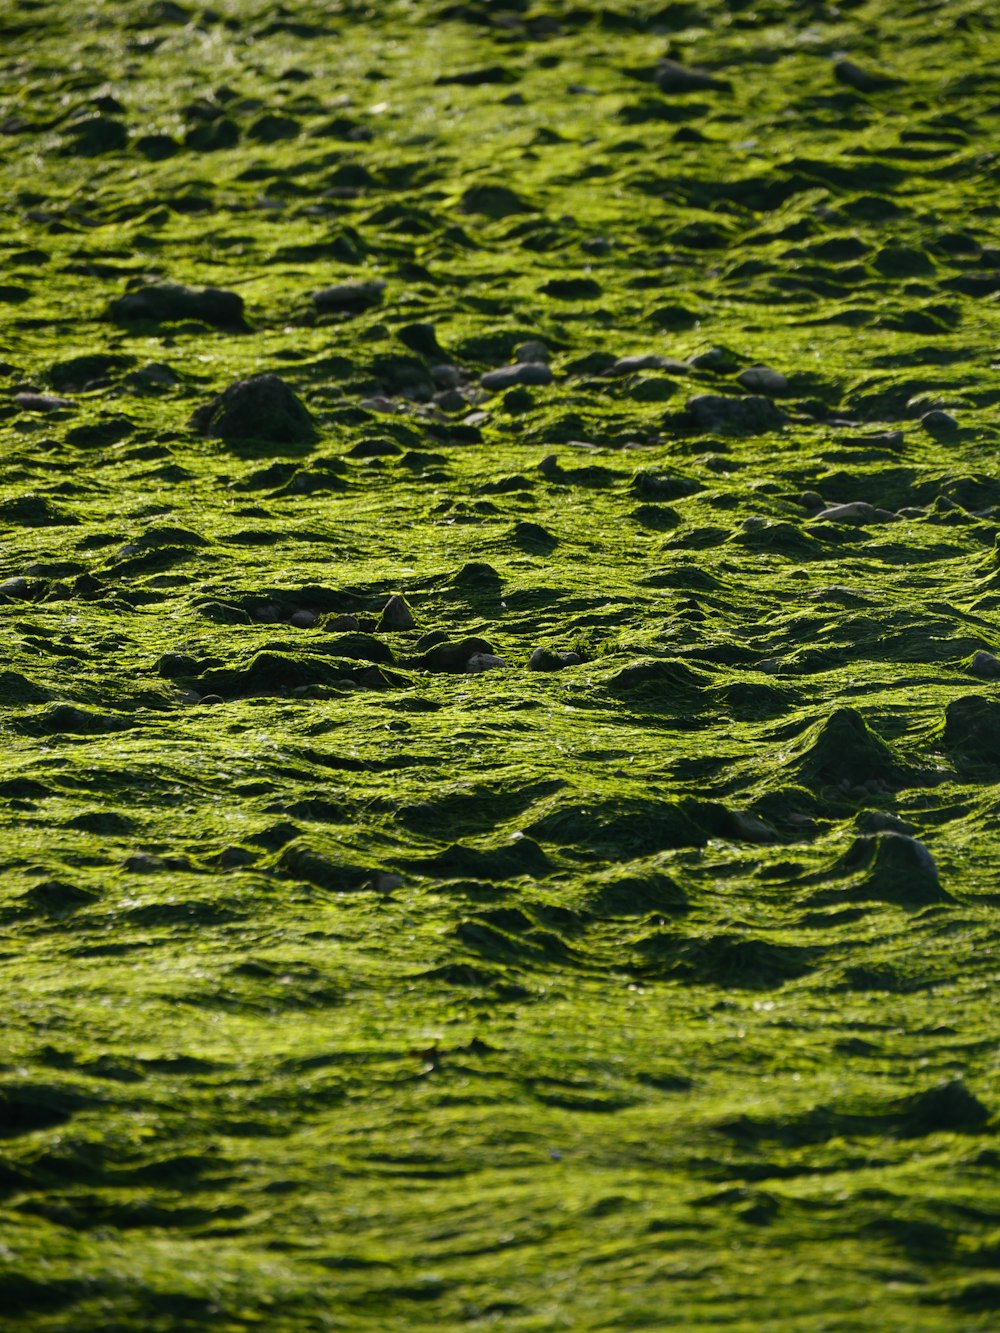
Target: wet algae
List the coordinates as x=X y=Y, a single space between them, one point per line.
x=499 y=698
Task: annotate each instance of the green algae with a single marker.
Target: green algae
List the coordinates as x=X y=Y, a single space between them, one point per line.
x=649 y=991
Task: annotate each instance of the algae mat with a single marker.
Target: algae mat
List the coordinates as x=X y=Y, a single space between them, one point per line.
x=499 y=701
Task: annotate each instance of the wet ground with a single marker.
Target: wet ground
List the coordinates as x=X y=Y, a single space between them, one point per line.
x=500 y=710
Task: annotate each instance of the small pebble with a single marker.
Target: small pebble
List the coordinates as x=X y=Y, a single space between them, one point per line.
x=532 y=352
x=15 y=587
x=858 y=511
x=303 y=619
x=396 y=614
x=939 y=423
x=268 y=613
x=446 y=376
x=344 y=623
x=484 y=662
x=523 y=372
x=42 y=402
x=985 y=665
x=761 y=379
x=812 y=500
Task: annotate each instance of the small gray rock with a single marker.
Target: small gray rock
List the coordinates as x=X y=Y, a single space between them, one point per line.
x=858 y=511
x=847 y=72
x=544 y=659
x=303 y=619
x=479 y=662
x=522 y=372
x=42 y=402
x=532 y=352
x=983 y=664
x=348 y=297
x=15 y=587
x=673 y=77
x=939 y=423
x=446 y=376
x=749 y=415
x=630 y=365
x=761 y=379
x=344 y=624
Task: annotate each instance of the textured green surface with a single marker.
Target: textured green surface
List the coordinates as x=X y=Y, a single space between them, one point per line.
x=380 y=997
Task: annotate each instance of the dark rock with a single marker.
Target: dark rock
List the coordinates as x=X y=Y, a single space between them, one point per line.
x=348 y=297
x=213 y=135
x=672 y=77
x=157 y=147
x=718 y=360
x=260 y=408
x=899 y=870
x=169 y=302
x=449 y=656
x=87 y=372
x=95 y=135
x=525 y=372
x=42 y=402
x=845 y=749
x=861 y=80
x=940 y=424
x=271 y=128
x=396 y=615
x=749 y=415
x=972 y=728
x=493 y=201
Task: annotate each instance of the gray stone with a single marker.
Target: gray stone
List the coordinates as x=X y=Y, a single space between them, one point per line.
x=484 y=662
x=170 y=302
x=749 y=415
x=262 y=407
x=348 y=297
x=939 y=423
x=522 y=372
x=858 y=511
x=303 y=619
x=42 y=402
x=983 y=664
x=761 y=379
x=673 y=77
x=533 y=352
x=396 y=615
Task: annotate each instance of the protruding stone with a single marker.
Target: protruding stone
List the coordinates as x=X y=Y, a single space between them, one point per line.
x=673 y=77
x=348 y=297
x=262 y=407
x=170 y=302
x=983 y=664
x=303 y=619
x=847 y=72
x=761 y=379
x=857 y=512
x=396 y=615
x=484 y=662
x=939 y=423
x=522 y=372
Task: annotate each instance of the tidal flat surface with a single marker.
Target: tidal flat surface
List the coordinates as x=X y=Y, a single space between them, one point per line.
x=364 y=967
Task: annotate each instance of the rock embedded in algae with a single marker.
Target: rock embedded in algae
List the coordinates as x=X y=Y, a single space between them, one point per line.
x=262 y=407
x=751 y=414
x=396 y=614
x=169 y=302
x=523 y=372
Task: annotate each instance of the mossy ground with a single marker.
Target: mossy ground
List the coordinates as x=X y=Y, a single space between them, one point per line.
x=611 y=997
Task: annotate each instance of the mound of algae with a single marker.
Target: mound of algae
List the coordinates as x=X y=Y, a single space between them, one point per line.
x=500 y=601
